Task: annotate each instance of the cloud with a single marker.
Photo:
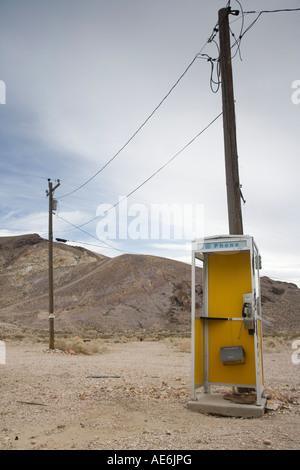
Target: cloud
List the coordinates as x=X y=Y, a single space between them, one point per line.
x=80 y=79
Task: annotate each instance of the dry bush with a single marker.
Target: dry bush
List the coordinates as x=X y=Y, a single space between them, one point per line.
x=184 y=345
x=79 y=346
x=180 y=344
x=274 y=344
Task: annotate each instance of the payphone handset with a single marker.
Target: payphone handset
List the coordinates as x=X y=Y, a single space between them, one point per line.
x=248 y=313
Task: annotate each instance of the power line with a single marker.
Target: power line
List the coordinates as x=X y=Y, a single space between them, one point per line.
x=135 y=133
x=159 y=169
x=259 y=13
x=214 y=62
x=87 y=244
x=92 y=236
x=89 y=234
x=143 y=124
x=274 y=11
x=78 y=227
x=215 y=83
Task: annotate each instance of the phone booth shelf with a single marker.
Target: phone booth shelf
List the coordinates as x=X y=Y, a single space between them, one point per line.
x=227 y=331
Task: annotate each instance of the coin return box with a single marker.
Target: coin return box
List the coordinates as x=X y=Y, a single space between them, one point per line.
x=232 y=355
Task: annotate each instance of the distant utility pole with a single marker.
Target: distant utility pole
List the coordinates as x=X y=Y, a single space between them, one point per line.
x=50 y=193
x=229 y=126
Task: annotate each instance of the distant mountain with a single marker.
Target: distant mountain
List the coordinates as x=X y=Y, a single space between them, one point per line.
x=100 y=295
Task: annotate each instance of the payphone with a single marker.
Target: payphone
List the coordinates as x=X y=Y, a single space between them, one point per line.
x=227 y=329
x=247 y=312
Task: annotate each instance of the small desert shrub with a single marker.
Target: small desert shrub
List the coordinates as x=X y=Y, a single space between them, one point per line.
x=180 y=344
x=274 y=344
x=183 y=344
x=79 y=346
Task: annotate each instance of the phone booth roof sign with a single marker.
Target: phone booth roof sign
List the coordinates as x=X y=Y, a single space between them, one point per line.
x=223 y=243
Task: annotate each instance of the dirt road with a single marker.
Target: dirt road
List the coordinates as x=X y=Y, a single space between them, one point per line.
x=132 y=396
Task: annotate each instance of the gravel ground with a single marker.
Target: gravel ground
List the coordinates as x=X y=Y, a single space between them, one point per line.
x=132 y=396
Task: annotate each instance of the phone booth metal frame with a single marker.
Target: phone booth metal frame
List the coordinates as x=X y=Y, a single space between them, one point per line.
x=227 y=331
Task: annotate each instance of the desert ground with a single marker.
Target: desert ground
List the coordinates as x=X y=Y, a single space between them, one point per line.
x=133 y=395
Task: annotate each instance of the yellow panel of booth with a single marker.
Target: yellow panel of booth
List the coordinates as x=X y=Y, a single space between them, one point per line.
x=199 y=352
x=229 y=277
x=228 y=334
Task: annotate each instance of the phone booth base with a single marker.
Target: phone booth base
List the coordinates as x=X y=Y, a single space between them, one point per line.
x=227 y=331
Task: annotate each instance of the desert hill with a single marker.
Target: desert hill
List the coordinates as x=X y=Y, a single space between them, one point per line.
x=95 y=294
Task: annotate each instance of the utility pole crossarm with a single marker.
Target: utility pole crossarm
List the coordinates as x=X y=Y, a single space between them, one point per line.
x=229 y=126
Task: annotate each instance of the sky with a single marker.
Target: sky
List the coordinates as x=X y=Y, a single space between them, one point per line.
x=115 y=100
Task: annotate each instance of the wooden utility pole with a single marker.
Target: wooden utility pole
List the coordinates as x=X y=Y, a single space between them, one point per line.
x=229 y=126
x=50 y=193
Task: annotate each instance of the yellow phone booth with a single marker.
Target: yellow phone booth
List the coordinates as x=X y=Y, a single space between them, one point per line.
x=227 y=329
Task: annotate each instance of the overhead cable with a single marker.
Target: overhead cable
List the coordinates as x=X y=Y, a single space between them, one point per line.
x=79 y=227
x=145 y=121
x=259 y=13
x=134 y=134
x=159 y=169
x=214 y=62
x=89 y=234
x=274 y=11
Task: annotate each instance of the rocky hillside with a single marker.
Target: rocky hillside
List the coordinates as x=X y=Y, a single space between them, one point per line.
x=100 y=295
